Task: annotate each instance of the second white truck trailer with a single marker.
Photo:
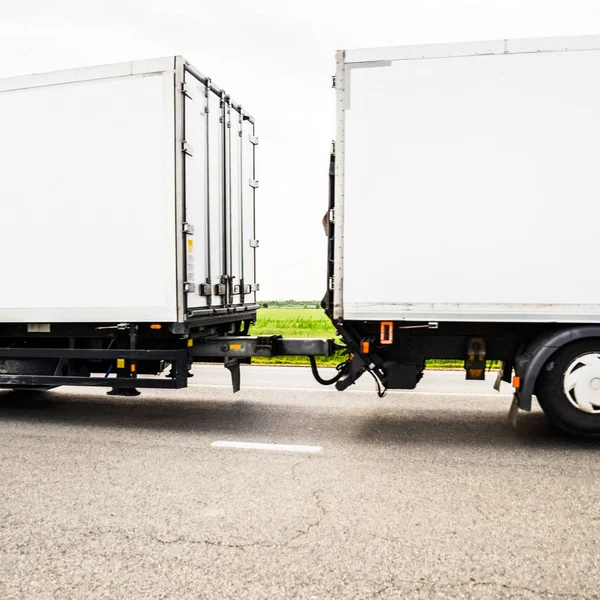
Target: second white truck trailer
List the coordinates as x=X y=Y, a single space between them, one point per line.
x=464 y=215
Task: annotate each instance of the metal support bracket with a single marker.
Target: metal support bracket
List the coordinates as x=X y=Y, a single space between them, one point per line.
x=265 y=345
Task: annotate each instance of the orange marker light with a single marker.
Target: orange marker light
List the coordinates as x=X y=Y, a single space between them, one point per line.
x=516 y=382
x=155 y=326
x=386 y=335
x=133 y=368
x=365 y=347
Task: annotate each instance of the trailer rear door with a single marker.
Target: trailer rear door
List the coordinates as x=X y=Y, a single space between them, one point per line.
x=218 y=153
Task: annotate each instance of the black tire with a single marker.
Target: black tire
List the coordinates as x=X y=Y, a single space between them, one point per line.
x=553 y=399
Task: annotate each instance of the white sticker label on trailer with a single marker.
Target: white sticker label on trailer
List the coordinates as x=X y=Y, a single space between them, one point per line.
x=38 y=328
x=190 y=260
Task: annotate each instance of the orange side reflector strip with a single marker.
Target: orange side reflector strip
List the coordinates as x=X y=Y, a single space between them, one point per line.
x=133 y=368
x=155 y=326
x=365 y=347
x=516 y=382
x=386 y=335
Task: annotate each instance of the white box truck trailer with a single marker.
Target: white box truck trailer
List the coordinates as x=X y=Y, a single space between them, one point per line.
x=127 y=226
x=127 y=196
x=464 y=216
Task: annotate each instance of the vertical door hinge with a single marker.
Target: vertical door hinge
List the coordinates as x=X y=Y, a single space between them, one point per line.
x=254 y=243
x=189 y=286
x=188 y=228
x=253 y=183
x=185 y=90
x=205 y=289
x=332 y=215
x=333 y=81
x=186 y=148
x=253 y=140
x=331 y=284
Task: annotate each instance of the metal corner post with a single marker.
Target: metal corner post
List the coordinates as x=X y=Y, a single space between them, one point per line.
x=338 y=271
x=179 y=158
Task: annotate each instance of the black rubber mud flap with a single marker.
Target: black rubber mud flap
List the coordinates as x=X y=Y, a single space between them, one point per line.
x=233 y=366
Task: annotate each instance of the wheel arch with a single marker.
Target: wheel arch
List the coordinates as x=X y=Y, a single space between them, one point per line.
x=530 y=361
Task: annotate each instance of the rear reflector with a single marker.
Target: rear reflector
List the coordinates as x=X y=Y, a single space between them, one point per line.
x=386 y=335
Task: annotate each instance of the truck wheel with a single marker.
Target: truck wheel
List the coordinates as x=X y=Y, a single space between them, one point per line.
x=568 y=388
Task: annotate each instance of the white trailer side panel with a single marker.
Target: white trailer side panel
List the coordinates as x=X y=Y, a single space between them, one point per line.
x=87 y=229
x=467 y=182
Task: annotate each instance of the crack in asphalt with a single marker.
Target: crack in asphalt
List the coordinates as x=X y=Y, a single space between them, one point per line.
x=384 y=588
x=300 y=533
x=294 y=470
x=506 y=586
x=240 y=546
x=256 y=544
x=304 y=532
x=420 y=584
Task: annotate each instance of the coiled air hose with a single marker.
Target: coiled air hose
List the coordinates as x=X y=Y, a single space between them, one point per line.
x=313 y=367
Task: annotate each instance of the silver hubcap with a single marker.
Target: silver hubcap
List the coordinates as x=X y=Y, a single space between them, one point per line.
x=581 y=383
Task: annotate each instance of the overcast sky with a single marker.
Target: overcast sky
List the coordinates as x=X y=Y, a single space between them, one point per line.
x=276 y=58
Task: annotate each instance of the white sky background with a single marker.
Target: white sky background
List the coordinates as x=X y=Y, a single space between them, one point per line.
x=276 y=58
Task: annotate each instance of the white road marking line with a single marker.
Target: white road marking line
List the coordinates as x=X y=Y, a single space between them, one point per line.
x=330 y=391
x=271 y=447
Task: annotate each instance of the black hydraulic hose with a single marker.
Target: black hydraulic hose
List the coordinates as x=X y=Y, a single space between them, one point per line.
x=315 y=372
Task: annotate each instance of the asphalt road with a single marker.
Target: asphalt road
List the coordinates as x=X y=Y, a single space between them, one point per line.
x=418 y=495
